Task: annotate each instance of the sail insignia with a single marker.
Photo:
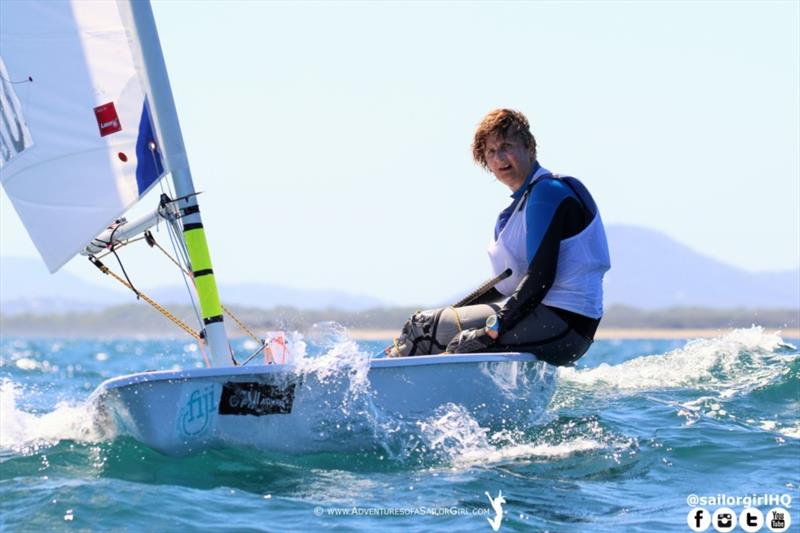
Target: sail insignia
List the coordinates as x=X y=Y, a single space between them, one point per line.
x=15 y=137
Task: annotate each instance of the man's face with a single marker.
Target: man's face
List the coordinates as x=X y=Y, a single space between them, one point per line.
x=509 y=160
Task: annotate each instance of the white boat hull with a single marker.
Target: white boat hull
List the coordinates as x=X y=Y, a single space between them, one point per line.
x=287 y=409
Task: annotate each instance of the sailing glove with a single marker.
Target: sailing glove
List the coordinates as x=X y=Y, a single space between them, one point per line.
x=469 y=341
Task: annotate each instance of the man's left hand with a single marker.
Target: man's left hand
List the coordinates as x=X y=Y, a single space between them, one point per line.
x=469 y=341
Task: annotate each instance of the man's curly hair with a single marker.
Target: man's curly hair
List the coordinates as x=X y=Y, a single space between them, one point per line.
x=506 y=123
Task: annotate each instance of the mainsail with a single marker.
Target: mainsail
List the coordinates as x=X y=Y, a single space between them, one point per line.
x=88 y=126
x=77 y=139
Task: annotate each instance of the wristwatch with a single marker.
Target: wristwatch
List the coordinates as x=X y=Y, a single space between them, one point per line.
x=493 y=324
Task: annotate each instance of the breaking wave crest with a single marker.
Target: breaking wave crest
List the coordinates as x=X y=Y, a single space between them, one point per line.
x=736 y=362
x=25 y=433
x=452 y=439
x=746 y=377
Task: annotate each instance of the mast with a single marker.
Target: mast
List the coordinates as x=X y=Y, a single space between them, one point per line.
x=165 y=118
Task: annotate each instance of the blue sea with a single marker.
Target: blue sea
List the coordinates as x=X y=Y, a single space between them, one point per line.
x=637 y=434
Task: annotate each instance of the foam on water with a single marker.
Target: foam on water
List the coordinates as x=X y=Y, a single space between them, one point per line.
x=24 y=432
x=610 y=460
x=340 y=362
x=723 y=369
x=791 y=431
x=735 y=362
x=454 y=438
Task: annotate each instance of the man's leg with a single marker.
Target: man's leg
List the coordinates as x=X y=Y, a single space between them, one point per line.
x=428 y=332
x=546 y=335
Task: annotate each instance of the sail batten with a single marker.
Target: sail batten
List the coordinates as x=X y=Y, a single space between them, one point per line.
x=77 y=142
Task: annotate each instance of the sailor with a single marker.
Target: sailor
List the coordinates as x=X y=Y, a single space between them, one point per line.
x=552 y=238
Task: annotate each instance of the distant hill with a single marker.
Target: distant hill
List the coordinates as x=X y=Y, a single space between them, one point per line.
x=265 y=295
x=652 y=271
x=27 y=287
x=649 y=271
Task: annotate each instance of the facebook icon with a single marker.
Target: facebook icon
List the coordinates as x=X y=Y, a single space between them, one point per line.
x=698 y=519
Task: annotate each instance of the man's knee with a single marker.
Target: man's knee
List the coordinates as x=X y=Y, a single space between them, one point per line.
x=418 y=336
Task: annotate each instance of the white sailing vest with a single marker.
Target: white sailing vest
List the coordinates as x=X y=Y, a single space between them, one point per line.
x=582 y=261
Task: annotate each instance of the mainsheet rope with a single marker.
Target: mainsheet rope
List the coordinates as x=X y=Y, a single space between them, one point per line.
x=177 y=321
x=224 y=309
x=152 y=242
x=174 y=319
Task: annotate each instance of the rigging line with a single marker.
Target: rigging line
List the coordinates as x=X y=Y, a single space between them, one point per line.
x=185 y=197
x=181 y=246
x=130 y=283
x=166 y=187
x=227 y=311
x=111 y=246
x=177 y=247
x=174 y=229
x=121 y=245
x=161 y=184
x=255 y=353
x=169 y=186
x=29 y=79
x=177 y=321
x=172 y=237
x=241 y=324
x=153 y=146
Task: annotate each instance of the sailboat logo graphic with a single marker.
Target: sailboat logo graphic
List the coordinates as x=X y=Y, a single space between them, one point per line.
x=14 y=134
x=497 y=505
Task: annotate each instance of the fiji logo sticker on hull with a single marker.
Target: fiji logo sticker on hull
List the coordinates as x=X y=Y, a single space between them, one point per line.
x=257 y=399
x=15 y=137
x=197 y=410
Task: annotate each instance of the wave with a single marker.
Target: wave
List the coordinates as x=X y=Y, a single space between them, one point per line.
x=721 y=369
x=25 y=433
x=746 y=377
x=454 y=438
x=736 y=362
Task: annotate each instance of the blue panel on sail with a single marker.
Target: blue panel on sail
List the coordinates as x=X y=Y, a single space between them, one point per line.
x=149 y=165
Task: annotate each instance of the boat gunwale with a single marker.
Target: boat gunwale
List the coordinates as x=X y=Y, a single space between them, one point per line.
x=152 y=376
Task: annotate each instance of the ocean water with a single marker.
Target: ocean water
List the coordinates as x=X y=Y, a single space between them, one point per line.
x=633 y=431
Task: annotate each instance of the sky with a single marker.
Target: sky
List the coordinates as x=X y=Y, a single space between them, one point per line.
x=332 y=140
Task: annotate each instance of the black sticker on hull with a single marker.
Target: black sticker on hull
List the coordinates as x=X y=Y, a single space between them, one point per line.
x=257 y=399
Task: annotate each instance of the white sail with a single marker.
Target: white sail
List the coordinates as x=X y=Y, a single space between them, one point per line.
x=77 y=141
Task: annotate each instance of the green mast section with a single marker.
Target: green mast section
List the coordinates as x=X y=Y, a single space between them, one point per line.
x=195 y=237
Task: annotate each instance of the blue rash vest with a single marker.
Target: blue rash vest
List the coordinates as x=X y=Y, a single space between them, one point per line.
x=552 y=238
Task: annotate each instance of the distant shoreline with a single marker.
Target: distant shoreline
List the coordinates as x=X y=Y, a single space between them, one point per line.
x=606 y=333
x=364 y=334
